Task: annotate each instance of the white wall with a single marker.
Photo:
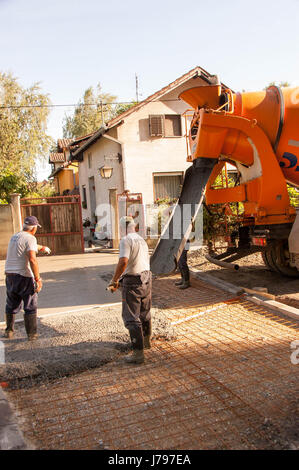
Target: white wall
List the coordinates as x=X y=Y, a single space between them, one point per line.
x=144 y=155
x=104 y=152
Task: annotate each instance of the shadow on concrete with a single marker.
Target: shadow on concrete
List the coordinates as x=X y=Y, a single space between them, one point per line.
x=72 y=343
x=27 y=369
x=64 y=347
x=251 y=276
x=71 y=289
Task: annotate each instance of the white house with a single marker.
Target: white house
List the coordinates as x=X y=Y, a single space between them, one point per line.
x=142 y=150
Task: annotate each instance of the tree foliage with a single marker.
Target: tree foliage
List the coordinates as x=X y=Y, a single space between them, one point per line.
x=220 y=220
x=293 y=195
x=123 y=107
x=23 y=130
x=43 y=190
x=11 y=182
x=90 y=114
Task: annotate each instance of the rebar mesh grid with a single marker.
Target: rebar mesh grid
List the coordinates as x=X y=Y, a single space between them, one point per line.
x=227 y=382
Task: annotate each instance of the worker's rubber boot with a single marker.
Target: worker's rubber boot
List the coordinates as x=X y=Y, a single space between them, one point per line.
x=147 y=333
x=137 y=356
x=30 y=321
x=179 y=283
x=10 y=321
x=186 y=281
x=185 y=285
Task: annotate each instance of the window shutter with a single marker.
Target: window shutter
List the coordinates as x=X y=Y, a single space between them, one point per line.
x=156 y=125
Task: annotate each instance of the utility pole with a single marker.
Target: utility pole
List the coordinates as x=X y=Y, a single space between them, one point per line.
x=136 y=80
x=102 y=114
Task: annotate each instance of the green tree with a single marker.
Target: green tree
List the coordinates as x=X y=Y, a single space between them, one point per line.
x=123 y=107
x=90 y=114
x=221 y=219
x=293 y=195
x=23 y=129
x=10 y=182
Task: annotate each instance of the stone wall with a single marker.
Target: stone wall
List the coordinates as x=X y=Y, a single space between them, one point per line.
x=6 y=228
x=10 y=222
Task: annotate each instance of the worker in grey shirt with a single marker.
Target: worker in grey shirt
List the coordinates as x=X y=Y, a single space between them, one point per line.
x=133 y=273
x=23 y=281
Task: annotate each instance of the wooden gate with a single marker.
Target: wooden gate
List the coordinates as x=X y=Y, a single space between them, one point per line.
x=60 y=218
x=131 y=204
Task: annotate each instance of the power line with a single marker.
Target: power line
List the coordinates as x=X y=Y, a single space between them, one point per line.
x=16 y=106
x=61 y=105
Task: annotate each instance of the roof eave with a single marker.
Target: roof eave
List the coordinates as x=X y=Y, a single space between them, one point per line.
x=78 y=154
x=55 y=172
x=193 y=73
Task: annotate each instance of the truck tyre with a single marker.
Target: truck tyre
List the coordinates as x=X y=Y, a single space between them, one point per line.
x=268 y=259
x=281 y=258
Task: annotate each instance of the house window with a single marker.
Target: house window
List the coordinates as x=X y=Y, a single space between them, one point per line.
x=165 y=125
x=167 y=185
x=84 y=199
x=156 y=125
x=172 y=127
x=89 y=160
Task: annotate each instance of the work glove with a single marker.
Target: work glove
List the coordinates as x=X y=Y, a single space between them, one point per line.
x=46 y=249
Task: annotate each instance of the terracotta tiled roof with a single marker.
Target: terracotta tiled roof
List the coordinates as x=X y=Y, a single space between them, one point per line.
x=64 y=143
x=68 y=144
x=56 y=157
x=158 y=94
x=82 y=137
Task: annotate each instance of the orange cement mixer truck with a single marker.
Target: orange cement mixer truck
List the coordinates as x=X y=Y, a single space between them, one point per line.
x=257 y=133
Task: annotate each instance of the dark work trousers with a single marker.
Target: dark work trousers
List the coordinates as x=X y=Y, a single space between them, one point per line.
x=20 y=289
x=183 y=266
x=136 y=300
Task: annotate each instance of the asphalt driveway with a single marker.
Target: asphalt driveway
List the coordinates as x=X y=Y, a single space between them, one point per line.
x=71 y=282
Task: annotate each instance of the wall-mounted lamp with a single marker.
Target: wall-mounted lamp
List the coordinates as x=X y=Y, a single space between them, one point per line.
x=106 y=171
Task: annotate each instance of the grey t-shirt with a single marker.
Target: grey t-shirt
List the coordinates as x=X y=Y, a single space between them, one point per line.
x=17 y=259
x=135 y=249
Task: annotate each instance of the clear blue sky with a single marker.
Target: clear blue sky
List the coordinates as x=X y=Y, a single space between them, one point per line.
x=68 y=45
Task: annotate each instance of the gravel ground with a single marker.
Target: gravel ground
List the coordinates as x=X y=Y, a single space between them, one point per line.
x=70 y=344
x=252 y=273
